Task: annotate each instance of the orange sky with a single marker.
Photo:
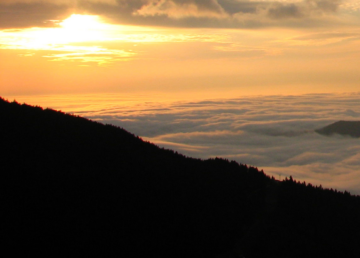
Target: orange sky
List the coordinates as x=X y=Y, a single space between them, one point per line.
x=192 y=48
x=145 y=65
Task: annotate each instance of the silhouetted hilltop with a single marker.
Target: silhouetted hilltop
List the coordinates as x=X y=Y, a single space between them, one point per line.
x=347 y=128
x=72 y=187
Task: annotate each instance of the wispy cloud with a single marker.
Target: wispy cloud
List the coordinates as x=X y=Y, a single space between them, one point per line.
x=97 y=42
x=91 y=55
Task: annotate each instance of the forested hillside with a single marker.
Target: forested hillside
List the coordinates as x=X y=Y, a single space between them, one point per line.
x=346 y=128
x=72 y=187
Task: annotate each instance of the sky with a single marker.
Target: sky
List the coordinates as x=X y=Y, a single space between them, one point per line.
x=242 y=79
x=190 y=48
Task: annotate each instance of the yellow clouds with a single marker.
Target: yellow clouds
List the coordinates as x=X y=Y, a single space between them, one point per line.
x=77 y=22
x=181 y=9
x=92 y=54
x=86 y=38
x=351 y=5
x=77 y=29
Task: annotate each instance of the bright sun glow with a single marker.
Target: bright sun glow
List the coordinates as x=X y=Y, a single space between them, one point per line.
x=81 y=28
x=86 y=38
x=75 y=29
x=82 y=22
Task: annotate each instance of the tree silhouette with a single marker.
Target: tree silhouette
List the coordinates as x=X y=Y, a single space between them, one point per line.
x=73 y=187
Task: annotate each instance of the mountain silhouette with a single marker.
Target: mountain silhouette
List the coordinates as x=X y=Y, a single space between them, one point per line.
x=72 y=187
x=345 y=128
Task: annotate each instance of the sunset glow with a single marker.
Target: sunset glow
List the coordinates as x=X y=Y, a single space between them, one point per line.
x=78 y=22
x=77 y=28
x=164 y=60
x=180 y=128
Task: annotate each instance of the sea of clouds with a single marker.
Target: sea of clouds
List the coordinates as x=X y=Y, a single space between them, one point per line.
x=273 y=133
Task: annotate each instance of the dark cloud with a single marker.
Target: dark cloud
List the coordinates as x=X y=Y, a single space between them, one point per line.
x=324 y=5
x=181 y=8
x=233 y=7
x=299 y=10
x=173 y=13
x=283 y=11
x=23 y=15
x=213 y=13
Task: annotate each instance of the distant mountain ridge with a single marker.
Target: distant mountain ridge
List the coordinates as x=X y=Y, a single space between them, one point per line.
x=72 y=187
x=346 y=128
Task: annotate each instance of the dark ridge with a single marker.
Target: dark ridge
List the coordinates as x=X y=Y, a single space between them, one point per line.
x=71 y=187
x=346 y=128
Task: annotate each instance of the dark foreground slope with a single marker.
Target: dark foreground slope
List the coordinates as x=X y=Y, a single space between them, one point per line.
x=346 y=128
x=71 y=187
x=80 y=188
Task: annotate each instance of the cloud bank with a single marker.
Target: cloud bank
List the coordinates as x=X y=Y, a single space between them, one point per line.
x=274 y=133
x=176 y=13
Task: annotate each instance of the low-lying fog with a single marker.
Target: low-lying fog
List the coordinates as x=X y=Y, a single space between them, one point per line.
x=273 y=133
